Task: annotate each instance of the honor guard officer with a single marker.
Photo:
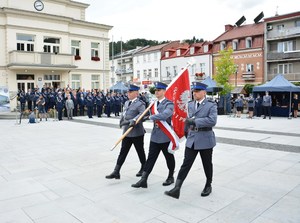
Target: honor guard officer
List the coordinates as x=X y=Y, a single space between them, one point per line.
x=159 y=141
x=202 y=116
x=133 y=108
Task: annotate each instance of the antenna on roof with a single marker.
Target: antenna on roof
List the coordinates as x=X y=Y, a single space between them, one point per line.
x=276 y=13
x=259 y=17
x=240 y=21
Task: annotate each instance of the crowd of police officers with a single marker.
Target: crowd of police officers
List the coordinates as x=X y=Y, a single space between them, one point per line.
x=86 y=102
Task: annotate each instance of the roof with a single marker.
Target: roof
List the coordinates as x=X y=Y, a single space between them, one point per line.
x=154 y=48
x=242 y=32
x=277 y=84
x=238 y=90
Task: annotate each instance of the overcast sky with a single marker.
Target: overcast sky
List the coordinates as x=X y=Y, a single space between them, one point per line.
x=177 y=20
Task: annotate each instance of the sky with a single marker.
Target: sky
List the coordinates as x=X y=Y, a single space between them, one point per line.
x=164 y=20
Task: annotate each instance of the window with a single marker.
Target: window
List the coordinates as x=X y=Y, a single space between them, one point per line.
x=168 y=71
x=144 y=57
x=235 y=44
x=137 y=59
x=192 y=50
x=156 y=72
x=178 y=52
x=149 y=57
x=76 y=81
x=297 y=23
x=222 y=45
x=51 y=45
x=249 y=42
x=250 y=68
x=286 y=46
x=280 y=27
x=175 y=70
x=167 y=54
x=25 y=42
x=75 y=48
x=95 y=81
x=155 y=56
x=285 y=68
x=95 y=51
x=205 y=49
x=202 y=67
x=49 y=77
x=149 y=73
x=138 y=74
x=145 y=73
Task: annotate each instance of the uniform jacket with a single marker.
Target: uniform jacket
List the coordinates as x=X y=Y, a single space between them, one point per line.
x=69 y=104
x=133 y=111
x=165 y=110
x=205 y=116
x=267 y=100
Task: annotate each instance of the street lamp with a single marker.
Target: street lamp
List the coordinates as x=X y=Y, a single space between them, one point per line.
x=236 y=72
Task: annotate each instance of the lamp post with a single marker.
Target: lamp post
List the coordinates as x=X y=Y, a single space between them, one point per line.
x=236 y=72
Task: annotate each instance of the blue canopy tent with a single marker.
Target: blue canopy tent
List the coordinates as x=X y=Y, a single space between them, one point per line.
x=278 y=84
x=119 y=87
x=211 y=85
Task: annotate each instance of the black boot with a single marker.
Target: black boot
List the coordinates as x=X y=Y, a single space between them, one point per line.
x=142 y=182
x=175 y=192
x=115 y=174
x=169 y=180
x=140 y=173
x=207 y=190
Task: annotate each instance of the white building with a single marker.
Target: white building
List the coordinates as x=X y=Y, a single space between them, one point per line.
x=147 y=63
x=50 y=43
x=199 y=54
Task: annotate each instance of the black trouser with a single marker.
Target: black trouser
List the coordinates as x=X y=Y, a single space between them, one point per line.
x=189 y=158
x=90 y=111
x=154 y=151
x=99 y=110
x=29 y=105
x=59 y=112
x=267 y=110
x=138 y=143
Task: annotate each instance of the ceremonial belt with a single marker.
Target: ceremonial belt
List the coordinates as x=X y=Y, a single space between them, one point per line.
x=166 y=128
x=203 y=129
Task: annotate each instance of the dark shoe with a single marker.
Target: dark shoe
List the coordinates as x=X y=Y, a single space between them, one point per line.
x=168 y=181
x=142 y=182
x=175 y=192
x=115 y=174
x=206 y=191
x=264 y=118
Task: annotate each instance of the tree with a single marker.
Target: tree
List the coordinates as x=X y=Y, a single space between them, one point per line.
x=224 y=68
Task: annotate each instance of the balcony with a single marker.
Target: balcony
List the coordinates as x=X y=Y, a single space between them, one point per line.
x=40 y=61
x=124 y=71
x=284 y=55
x=285 y=33
x=248 y=76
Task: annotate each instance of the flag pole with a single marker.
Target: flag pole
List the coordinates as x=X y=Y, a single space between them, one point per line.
x=129 y=129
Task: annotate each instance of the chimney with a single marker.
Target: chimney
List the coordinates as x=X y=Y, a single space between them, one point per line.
x=228 y=27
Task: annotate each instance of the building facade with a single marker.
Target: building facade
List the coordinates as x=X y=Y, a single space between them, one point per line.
x=282 y=46
x=49 y=43
x=247 y=42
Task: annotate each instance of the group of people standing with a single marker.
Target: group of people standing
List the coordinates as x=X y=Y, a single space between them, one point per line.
x=69 y=103
x=202 y=117
x=261 y=106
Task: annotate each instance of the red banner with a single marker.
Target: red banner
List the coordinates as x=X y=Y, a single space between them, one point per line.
x=178 y=91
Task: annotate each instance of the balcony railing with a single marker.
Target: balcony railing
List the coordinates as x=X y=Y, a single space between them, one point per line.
x=38 y=60
x=273 y=34
x=248 y=76
x=124 y=71
x=283 y=55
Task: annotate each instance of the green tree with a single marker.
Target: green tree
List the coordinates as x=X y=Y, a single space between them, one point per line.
x=224 y=68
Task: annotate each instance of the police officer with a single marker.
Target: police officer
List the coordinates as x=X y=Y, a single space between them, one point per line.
x=202 y=116
x=267 y=102
x=159 y=141
x=99 y=100
x=60 y=103
x=89 y=100
x=132 y=111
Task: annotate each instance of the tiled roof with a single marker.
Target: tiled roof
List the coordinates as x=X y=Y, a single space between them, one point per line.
x=154 y=48
x=241 y=32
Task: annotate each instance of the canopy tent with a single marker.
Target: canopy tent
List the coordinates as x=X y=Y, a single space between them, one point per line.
x=119 y=87
x=278 y=84
x=211 y=85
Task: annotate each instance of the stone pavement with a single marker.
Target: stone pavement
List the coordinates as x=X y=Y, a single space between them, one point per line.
x=55 y=172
